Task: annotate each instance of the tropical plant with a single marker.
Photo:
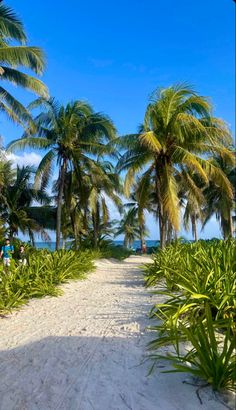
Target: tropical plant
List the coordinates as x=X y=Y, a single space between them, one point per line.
x=44 y=272
x=72 y=135
x=104 y=184
x=129 y=227
x=218 y=202
x=16 y=204
x=211 y=357
x=198 y=284
x=178 y=130
x=191 y=198
x=13 y=56
x=140 y=201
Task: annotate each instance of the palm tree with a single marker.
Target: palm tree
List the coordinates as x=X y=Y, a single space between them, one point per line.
x=16 y=204
x=86 y=201
x=191 y=198
x=104 y=183
x=216 y=200
x=178 y=130
x=6 y=174
x=129 y=227
x=72 y=135
x=140 y=201
x=12 y=56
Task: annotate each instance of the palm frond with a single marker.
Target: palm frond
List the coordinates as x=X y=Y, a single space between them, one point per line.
x=10 y=26
x=30 y=57
x=150 y=140
x=17 y=108
x=32 y=142
x=44 y=171
x=24 y=80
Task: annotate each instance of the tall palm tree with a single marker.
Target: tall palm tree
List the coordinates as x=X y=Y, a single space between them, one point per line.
x=104 y=183
x=178 y=130
x=72 y=135
x=85 y=201
x=15 y=53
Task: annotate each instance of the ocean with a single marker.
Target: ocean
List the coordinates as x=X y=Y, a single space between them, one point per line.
x=137 y=244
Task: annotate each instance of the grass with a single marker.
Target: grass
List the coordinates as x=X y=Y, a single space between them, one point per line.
x=198 y=282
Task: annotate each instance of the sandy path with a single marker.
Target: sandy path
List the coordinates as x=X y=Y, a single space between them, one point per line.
x=83 y=350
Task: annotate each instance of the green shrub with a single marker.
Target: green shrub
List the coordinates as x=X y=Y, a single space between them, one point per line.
x=211 y=357
x=198 y=283
x=41 y=277
x=116 y=251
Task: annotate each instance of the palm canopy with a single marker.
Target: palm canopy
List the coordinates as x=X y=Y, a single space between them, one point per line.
x=13 y=56
x=73 y=135
x=129 y=227
x=178 y=130
x=217 y=202
x=104 y=183
x=85 y=201
x=17 y=198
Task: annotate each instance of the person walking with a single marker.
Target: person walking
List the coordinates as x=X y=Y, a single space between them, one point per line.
x=22 y=259
x=144 y=248
x=6 y=252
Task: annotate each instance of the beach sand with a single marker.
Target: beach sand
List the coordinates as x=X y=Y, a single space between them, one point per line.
x=85 y=349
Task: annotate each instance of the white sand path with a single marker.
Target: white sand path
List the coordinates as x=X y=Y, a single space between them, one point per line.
x=83 y=350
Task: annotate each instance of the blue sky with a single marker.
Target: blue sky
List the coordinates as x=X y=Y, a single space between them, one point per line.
x=114 y=54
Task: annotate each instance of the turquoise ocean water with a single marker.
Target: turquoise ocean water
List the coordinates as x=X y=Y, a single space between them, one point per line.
x=137 y=244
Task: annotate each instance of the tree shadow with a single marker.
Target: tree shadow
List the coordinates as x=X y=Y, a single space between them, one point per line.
x=102 y=373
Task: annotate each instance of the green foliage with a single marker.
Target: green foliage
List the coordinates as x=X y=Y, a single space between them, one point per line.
x=107 y=249
x=212 y=357
x=198 y=284
x=14 y=53
x=116 y=252
x=17 y=196
x=41 y=277
x=178 y=133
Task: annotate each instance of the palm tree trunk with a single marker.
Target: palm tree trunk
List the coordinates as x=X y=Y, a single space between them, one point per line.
x=194 y=228
x=169 y=232
x=31 y=235
x=95 y=230
x=162 y=222
x=142 y=237
x=59 y=202
x=231 y=226
x=63 y=243
x=74 y=228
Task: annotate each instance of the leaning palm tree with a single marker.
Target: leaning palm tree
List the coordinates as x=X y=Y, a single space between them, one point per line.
x=178 y=130
x=15 y=53
x=73 y=136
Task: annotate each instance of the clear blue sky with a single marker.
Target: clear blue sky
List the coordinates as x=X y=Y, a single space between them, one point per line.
x=114 y=54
